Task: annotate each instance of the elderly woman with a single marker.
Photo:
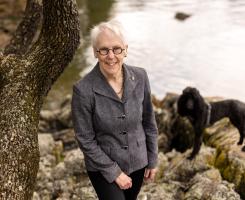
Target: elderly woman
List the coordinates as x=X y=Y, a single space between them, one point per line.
x=114 y=120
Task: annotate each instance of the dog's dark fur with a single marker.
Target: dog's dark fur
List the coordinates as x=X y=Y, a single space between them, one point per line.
x=192 y=105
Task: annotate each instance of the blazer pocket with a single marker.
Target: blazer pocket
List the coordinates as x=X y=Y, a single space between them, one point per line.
x=141 y=147
x=141 y=157
x=121 y=157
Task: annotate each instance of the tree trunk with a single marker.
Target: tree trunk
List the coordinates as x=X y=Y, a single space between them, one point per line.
x=25 y=79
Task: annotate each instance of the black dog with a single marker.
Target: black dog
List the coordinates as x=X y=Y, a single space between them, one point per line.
x=202 y=114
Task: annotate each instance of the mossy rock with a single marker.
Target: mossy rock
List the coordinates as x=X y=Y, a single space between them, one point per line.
x=221 y=160
x=232 y=168
x=221 y=135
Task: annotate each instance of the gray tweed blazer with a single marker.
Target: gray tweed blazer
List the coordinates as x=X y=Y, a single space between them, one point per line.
x=115 y=134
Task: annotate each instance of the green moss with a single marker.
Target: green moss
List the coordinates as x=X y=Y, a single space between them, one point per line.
x=57 y=152
x=221 y=160
x=227 y=174
x=241 y=187
x=160 y=173
x=231 y=170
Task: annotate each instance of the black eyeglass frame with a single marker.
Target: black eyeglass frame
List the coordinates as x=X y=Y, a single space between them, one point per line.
x=107 y=51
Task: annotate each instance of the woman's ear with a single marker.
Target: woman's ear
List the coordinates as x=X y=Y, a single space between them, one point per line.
x=95 y=53
x=126 y=51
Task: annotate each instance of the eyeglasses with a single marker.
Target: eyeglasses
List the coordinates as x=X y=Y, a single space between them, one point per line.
x=105 y=51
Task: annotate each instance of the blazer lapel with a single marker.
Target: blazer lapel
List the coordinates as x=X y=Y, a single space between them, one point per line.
x=101 y=86
x=130 y=82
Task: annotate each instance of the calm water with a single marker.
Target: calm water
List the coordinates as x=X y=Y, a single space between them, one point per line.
x=206 y=50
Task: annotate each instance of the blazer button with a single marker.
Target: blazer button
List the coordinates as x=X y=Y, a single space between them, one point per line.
x=123 y=116
x=125 y=147
x=123 y=133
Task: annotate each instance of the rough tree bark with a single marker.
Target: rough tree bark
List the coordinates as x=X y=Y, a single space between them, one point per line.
x=25 y=78
x=26 y=30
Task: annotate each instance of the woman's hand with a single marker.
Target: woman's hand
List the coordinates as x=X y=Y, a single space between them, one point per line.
x=150 y=174
x=124 y=181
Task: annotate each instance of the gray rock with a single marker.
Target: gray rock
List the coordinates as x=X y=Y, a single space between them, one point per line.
x=46 y=144
x=74 y=162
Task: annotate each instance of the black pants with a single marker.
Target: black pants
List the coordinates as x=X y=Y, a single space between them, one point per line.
x=111 y=191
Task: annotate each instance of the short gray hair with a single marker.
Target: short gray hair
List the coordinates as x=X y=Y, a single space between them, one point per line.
x=114 y=25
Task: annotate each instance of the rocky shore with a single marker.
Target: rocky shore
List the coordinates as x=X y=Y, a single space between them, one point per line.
x=217 y=173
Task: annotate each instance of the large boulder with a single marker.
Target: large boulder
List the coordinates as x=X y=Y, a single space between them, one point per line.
x=230 y=160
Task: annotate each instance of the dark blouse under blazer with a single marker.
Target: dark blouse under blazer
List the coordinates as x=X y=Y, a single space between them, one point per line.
x=115 y=134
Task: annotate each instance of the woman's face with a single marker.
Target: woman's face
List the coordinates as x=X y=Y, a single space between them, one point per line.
x=111 y=63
